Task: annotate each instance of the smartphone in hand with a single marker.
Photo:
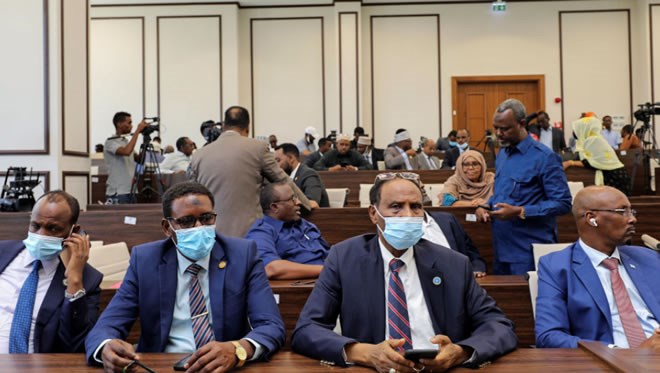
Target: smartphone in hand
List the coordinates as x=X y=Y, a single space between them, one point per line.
x=179 y=366
x=415 y=355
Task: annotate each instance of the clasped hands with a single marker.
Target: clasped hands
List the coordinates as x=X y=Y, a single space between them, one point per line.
x=501 y=210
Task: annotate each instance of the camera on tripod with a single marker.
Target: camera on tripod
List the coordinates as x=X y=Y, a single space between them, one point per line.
x=646 y=110
x=154 y=126
x=17 y=195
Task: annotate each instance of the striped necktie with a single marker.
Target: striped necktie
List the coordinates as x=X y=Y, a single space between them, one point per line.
x=198 y=313
x=631 y=325
x=19 y=335
x=397 y=307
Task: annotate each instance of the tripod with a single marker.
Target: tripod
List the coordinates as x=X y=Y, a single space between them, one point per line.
x=643 y=158
x=144 y=171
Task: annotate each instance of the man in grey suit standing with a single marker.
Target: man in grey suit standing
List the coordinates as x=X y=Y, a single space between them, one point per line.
x=426 y=160
x=234 y=168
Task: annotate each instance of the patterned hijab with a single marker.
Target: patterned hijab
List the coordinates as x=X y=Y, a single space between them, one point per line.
x=462 y=188
x=593 y=147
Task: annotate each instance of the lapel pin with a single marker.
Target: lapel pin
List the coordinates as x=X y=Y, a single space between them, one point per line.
x=222 y=264
x=632 y=266
x=437 y=281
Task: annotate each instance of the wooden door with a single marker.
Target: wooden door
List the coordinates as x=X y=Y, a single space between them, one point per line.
x=475 y=100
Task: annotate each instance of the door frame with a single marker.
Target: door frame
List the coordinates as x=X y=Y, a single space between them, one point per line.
x=456 y=80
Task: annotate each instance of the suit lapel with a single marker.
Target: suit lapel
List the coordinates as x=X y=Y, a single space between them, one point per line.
x=586 y=273
x=638 y=274
x=167 y=276
x=9 y=254
x=433 y=295
x=216 y=288
x=373 y=281
x=445 y=227
x=52 y=300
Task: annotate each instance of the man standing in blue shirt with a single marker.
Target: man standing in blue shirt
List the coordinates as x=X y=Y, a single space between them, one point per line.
x=530 y=191
x=613 y=137
x=290 y=246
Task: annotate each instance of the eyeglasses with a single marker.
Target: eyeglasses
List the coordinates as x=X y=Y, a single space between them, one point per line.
x=472 y=165
x=385 y=176
x=293 y=198
x=190 y=221
x=128 y=367
x=624 y=212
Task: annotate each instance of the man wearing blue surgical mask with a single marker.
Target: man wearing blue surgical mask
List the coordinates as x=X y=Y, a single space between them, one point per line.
x=50 y=295
x=462 y=144
x=194 y=292
x=394 y=291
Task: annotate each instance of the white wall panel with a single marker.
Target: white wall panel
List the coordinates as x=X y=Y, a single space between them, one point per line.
x=596 y=64
x=24 y=84
x=74 y=78
x=116 y=72
x=77 y=184
x=190 y=75
x=349 y=76
x=405 y=76
x=287 y=76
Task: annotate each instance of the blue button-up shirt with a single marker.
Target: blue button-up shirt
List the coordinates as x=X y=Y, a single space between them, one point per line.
x=298 y=242
x=529 y=175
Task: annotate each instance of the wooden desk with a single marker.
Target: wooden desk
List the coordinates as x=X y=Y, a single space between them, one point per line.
x=521 y=360
x=624 y=360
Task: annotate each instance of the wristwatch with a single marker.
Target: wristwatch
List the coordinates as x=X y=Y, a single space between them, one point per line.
x=77 y=295
x=241 y=354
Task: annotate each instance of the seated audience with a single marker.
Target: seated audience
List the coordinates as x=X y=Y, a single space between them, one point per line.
x=447 y=143
x=272 y=143
x=596 y=154
x=342 y=158
x=599 y=288
x=471 y=184
x=426 y=160
x=307 y=179
x=628 y=139
x=611 y=136
x=180 y=160
x=195 y=291
x=443 y=229
x=369 y=152
x=462 y=145
x=306 y=145
x=400 y=154
x=324 y=146
x=551 y=137
x=357 y=132
x=394 y=291
x=290 y=246
x=50 y=295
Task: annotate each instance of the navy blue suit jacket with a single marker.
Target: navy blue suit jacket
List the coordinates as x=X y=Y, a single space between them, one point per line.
x=571 y=303
x=352 y=285
x=240 y=297
x=458 y=239
x=61 y=325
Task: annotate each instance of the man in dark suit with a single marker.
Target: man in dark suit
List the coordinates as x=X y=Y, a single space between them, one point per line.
x=443 y=229
x=195 y=291
x=48 y=272
x=324 y=146
x=369 y=152
x=307 y=179
x=599 y=288
x=551 y=137
x=433 y=300
x=463 y=144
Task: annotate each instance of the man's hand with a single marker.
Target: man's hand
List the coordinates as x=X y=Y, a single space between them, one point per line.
x=449 y=356
x=482 y=215
x=117 y=354
x=478 y=201
x=213 y=357
x=335 y=168
x=411 y=152
x=313 y=204
x=382 y=356
x=505 y=211
x=653 y=342
x=141 y=126
x=351 y=168
x=479 y=274
x=77 y=247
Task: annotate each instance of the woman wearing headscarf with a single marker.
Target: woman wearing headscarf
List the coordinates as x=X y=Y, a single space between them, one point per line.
x=596 y=154
x=470 y=185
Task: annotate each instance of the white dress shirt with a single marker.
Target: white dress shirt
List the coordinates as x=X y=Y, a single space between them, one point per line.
x=11 y=282
x=294 y=172
x=546 y=137
x=175 y=162
x=421 y=327
x=405 y=157
x=433 y=233
x=644 y=315
x=429 y=160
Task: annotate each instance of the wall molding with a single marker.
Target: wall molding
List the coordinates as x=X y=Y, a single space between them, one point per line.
x=66 y=174
x=357 y=71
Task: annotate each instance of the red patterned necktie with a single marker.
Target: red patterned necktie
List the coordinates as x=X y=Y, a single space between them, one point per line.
x=397 y=307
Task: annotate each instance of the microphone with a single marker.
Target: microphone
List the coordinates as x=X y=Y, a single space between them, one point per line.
x=651 y=242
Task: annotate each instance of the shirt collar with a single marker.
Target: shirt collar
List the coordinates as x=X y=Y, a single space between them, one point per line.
x=596 y=257
x=184 y=263
x=406 y=258
x=523 y=146
x=49 y=265
x=294 y=172
x=275 y=223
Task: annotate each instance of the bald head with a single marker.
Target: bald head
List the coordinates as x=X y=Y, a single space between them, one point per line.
x=593 y=196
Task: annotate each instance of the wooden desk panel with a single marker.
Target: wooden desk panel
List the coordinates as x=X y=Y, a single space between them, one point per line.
x=624 y=360
x=521 y=360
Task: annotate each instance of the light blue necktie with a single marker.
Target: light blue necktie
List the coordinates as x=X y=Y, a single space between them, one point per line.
x=19 y=335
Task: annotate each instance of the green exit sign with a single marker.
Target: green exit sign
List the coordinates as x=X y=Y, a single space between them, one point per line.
x=499 y=6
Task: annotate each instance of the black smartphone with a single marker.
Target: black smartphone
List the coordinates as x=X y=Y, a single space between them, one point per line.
x=179 y=366
x=415 y=355
x=486 y=207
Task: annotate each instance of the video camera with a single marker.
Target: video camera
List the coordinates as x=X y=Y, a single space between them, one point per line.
x=18 y=195
x=646 y=110
x=154 y=126
x=210 y=130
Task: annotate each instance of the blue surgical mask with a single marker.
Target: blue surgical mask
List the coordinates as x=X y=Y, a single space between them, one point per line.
x=195 y=243
x=463 y=146
x=43 y=247
x=402 y=232
x=453 y=144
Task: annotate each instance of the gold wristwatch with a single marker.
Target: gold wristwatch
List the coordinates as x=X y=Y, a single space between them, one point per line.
x=241 y=354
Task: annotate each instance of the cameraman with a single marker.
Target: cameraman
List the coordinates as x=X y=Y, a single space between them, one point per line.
x=120 y=158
